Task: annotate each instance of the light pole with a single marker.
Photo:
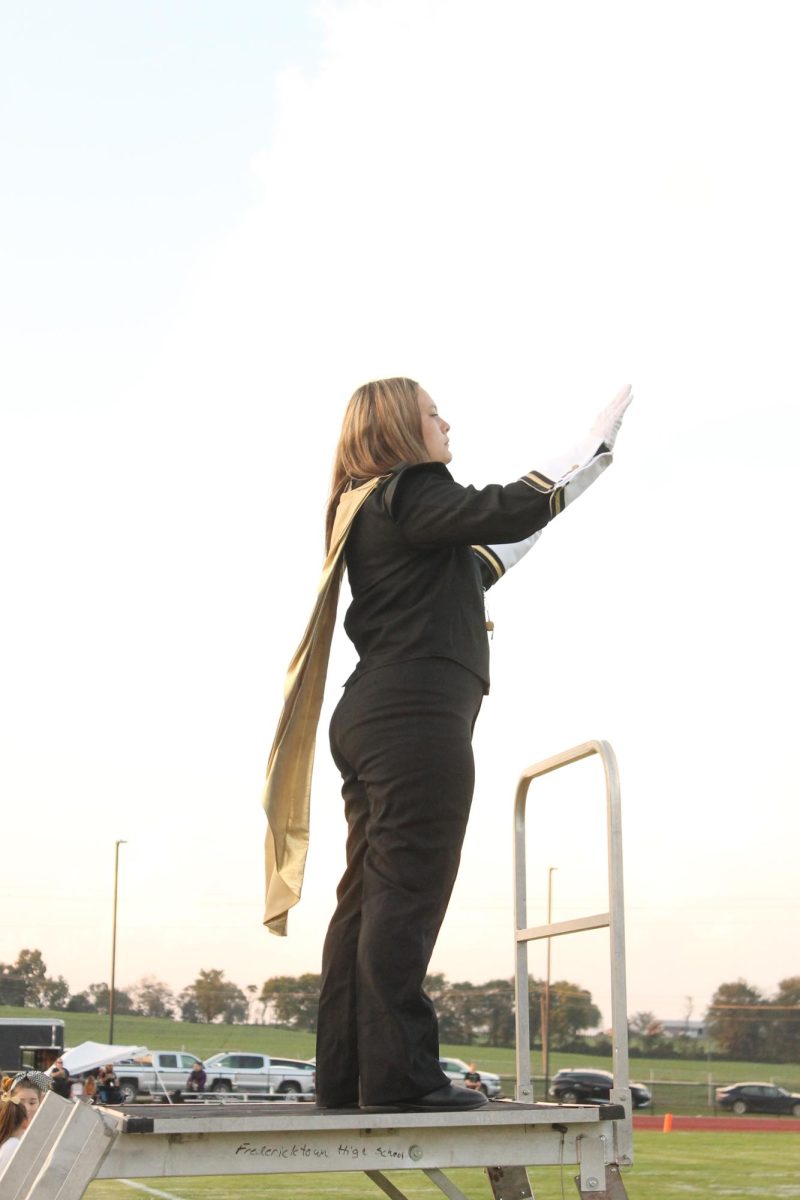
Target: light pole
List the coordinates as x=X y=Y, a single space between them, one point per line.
x=546 y=1008
x=121 y=842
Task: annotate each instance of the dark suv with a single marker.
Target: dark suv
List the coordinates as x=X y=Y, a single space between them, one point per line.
x=579 y=1086
x=758 y=1097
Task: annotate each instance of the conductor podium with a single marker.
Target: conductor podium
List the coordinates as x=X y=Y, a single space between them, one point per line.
x=69 y=1144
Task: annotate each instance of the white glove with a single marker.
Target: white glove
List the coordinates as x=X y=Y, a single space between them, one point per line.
x=572 y=472
x=607 y=425
x=578 y=468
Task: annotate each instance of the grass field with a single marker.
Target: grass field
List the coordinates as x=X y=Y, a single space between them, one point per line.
x=675 y=1166
x=678 y=1085
x=204 y=1040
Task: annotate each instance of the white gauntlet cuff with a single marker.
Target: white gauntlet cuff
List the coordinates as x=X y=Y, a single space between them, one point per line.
x=510 y=553
x=578 y=481
x=562 y=465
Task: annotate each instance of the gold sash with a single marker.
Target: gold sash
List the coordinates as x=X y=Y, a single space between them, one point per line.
x=287 y=791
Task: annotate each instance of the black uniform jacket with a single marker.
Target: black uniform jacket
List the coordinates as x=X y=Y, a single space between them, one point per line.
x=419 y=559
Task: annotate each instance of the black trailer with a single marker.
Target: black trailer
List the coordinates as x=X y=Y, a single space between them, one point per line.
x=30 y=1042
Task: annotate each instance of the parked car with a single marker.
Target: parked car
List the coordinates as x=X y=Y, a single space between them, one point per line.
x=154 y=1073
x=455 y=1070
x=578 y=1086
x=246 y=1072
x=160 y=1072
x=758 y=1097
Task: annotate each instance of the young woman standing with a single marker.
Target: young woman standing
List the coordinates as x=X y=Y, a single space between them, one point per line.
x=420 y=550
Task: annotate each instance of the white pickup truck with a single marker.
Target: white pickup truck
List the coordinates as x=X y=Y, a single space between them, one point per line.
x=165 y=1072
x=240 y=1071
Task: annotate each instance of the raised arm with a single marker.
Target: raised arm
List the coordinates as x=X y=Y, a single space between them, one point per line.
x=572 y=473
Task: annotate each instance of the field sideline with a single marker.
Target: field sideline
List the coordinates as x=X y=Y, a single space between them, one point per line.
x=205 y=1040
x=676 y=1166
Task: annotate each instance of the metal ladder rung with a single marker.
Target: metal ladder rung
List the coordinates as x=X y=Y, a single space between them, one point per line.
x=614 y=921
x=578 y=925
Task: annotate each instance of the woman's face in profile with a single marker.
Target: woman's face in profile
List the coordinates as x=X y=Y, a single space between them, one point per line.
x=434 y=429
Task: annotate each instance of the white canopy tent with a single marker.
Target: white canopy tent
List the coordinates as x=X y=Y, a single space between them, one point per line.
x=89 y=1055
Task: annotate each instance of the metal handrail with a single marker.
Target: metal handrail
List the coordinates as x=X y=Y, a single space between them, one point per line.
x=614 y=919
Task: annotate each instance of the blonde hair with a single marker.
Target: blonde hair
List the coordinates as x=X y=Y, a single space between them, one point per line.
x=381 y=428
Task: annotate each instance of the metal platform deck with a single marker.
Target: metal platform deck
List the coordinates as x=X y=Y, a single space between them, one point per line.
x=69 y=1145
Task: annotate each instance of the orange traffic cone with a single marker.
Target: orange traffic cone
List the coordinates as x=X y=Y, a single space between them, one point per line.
x=667 y=1126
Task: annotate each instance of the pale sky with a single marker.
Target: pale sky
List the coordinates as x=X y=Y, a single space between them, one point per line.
x=217 y=220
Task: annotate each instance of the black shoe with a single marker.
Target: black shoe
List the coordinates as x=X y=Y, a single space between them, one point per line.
x=444 y=1099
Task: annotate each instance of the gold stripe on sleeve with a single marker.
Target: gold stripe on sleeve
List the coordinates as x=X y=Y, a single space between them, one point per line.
x=538 y=482
x=491 y=558
x=557 y=502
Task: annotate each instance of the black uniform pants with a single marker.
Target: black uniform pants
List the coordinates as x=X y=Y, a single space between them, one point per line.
x=402 y=738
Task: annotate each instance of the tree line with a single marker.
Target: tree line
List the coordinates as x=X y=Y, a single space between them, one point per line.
x=740 y=1023
x=468 y=1013
x=747 y=1024
x=210 y=997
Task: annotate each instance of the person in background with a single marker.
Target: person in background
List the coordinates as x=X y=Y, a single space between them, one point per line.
x=472 y=1079
x=13 y=1123
x=62 y=1084
x=197 y=1079
x=108 y=1086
